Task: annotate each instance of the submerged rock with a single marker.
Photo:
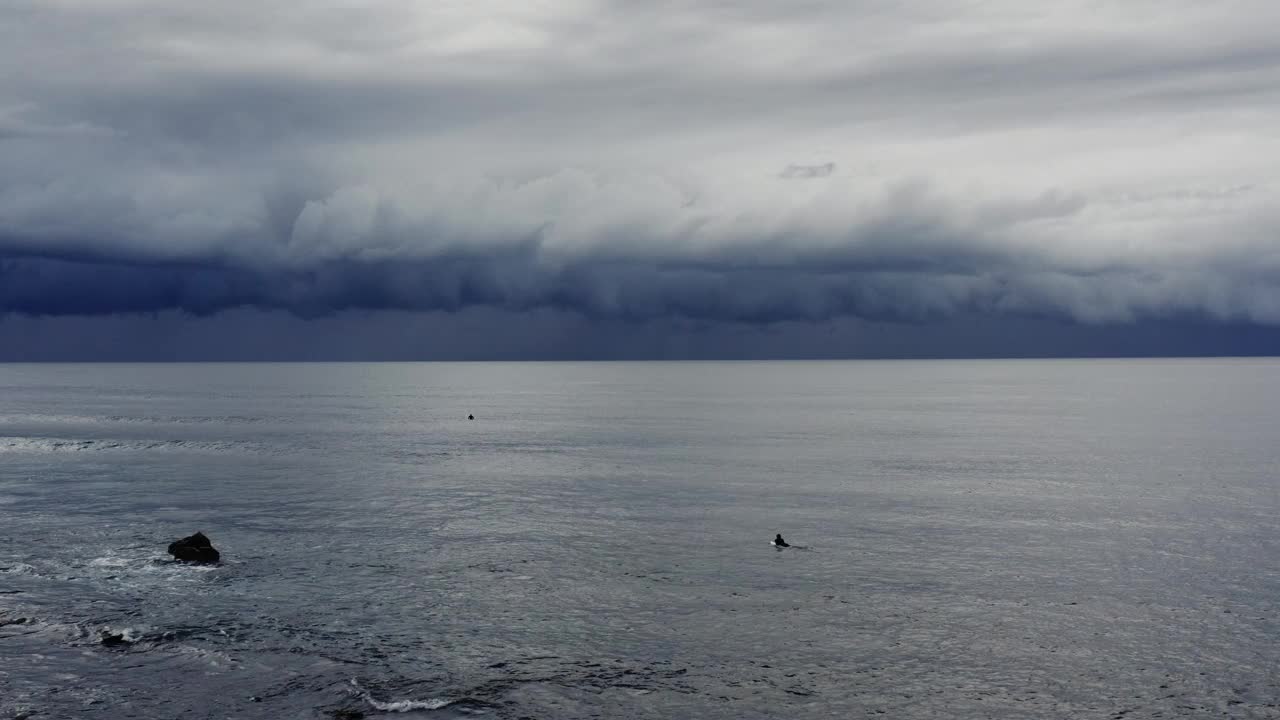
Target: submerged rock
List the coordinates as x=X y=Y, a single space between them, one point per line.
x=113 y=639
x=194 y=548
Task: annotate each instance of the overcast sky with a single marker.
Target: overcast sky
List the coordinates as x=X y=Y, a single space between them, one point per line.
x=582 y=178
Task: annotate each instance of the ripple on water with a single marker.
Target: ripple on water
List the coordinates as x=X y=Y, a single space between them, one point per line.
x=47 y=445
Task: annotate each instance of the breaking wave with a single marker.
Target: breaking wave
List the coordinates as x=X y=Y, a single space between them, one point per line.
x=398 y=706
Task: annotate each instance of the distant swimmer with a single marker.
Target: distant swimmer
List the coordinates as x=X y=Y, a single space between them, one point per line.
x=471 y=417
x=779 y=542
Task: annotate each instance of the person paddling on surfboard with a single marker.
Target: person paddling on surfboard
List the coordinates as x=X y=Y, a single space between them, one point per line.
x=778 y=541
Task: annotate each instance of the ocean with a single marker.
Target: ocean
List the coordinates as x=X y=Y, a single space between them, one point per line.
x=970 y=539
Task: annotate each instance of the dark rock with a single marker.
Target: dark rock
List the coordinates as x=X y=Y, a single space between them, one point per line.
x=347 y=714
x=111 y=639
x=195 y=548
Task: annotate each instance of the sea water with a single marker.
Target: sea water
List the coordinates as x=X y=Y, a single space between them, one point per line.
x=987 y=539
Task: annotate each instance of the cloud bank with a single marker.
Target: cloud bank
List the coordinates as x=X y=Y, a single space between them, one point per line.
x=620 y=161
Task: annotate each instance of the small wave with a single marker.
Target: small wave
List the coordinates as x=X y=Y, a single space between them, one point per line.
x=71 y=445
x=65 y=419
x=27 y=620
x=182 y=642
x=133 y=570
x=186 y=419
x=48 y=419
x=180 y=568
x=143 y=570
x=408 y=705
x=19 y=569
x=400 y=706
x=109 y=636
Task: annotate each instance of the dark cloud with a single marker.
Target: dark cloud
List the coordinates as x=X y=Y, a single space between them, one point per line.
x=617 y=164
x=486 y=334
x=911 y=259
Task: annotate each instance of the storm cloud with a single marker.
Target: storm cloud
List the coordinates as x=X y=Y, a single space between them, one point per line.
x=619 y=162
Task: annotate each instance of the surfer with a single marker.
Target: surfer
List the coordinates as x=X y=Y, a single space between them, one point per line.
x=779 y=542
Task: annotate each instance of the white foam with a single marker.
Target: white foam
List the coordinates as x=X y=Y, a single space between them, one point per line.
x=399 y=706
x=408 y=705
x=129 y=635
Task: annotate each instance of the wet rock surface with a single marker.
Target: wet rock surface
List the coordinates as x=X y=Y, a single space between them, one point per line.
x=194 y=548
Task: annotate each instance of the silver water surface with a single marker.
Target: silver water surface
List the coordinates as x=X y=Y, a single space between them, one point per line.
x=980 y=539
